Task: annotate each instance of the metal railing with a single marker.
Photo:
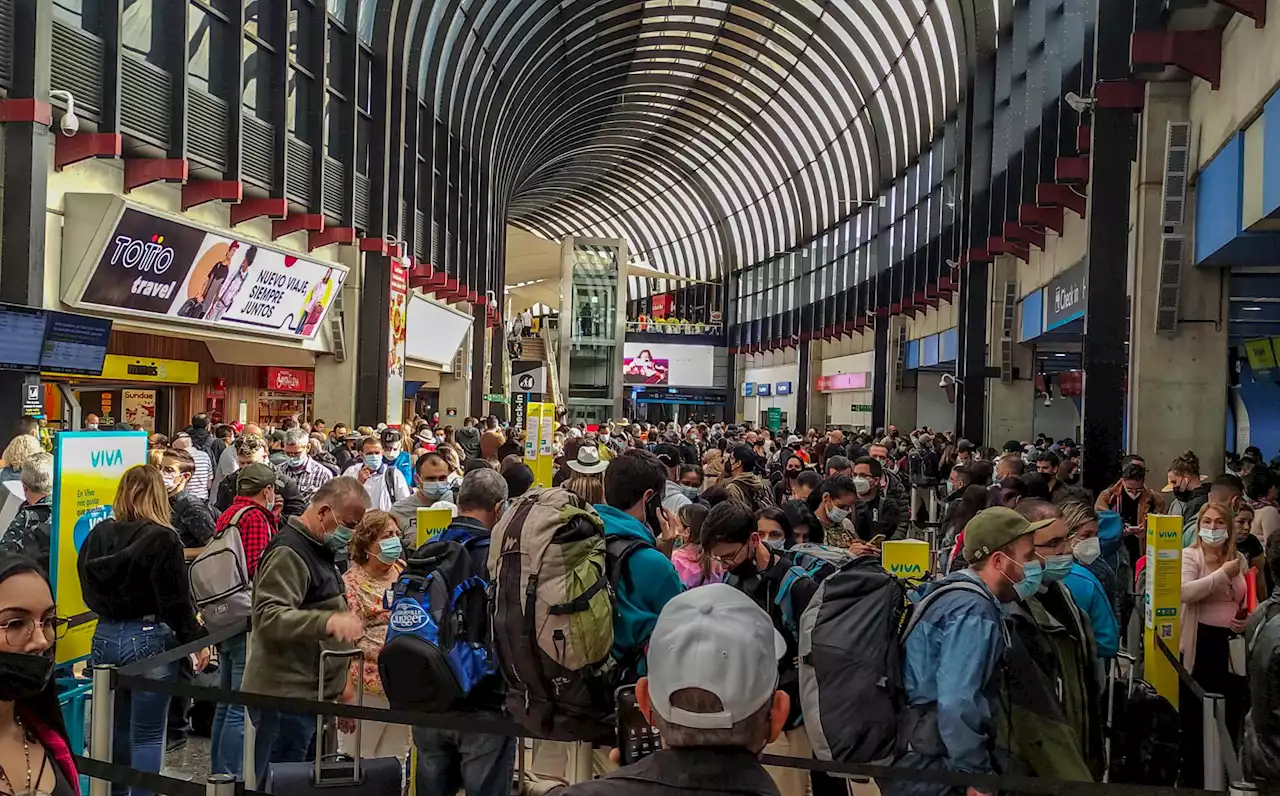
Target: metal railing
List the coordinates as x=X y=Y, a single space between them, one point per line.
x=661 y=327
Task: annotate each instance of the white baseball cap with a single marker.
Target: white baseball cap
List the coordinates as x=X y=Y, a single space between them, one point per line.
x=716 y=639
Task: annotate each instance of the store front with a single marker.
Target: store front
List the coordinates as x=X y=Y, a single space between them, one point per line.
x=148 y=393
x=286 y=393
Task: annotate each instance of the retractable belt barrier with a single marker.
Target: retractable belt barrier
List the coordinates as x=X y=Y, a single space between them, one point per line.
x=1211 y=703
x=130 y=678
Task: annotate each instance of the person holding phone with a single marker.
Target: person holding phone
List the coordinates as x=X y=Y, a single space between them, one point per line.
x=712 y=695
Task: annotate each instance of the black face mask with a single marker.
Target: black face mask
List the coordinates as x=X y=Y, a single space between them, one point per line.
x=23 y=676
x=792 y=473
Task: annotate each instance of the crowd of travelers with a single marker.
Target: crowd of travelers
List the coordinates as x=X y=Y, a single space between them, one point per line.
x=722 y=581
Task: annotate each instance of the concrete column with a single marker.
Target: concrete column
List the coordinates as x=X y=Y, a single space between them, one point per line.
x=816 y=410
x=738 y=403
x=335 y=395
x=1176 y=395
x=900 y=406
x=1010 y=407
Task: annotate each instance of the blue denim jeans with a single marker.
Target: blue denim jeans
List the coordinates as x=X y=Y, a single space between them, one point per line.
x=481 y=765
x=281 y=738
x=226 y=751
x=140 y=715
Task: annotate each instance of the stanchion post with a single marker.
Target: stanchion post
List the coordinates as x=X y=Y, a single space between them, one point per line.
x=220 y=785
x=249 y=763
x=1215 y=775
x=102 y=724
x=582 y=763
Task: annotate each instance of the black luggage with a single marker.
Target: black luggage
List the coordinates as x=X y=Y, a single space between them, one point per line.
x=1145 y=735
x=336 y=775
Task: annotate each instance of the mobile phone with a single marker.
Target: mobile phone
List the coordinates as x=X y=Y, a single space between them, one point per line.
x=637 y=738
x=877 y=540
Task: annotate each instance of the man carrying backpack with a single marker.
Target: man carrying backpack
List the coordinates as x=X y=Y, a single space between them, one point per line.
x=646 y=579
x=769 y=578
x=952 y=652
x=251 y=513
x=481 y=763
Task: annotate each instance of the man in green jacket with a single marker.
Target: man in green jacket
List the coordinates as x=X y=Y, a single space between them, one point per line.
x=300 y=610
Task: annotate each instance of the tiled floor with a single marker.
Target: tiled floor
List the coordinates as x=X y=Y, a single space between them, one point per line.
x=191 y=762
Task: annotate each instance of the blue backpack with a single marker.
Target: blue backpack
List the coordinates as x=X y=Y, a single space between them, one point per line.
x=438 y=638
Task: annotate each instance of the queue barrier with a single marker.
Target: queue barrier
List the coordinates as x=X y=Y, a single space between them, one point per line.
x=107 y=679
x=1221 y=763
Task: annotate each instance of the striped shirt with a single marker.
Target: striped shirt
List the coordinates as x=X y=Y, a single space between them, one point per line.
x=310 y=477
x=202 y=477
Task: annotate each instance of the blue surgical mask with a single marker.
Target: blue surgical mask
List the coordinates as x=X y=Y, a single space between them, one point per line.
x=339 y=539
x=1032 y=578
x=1057 y=567
x=389 y=550
x=1212 y=536
x=837 y=515
x=296 y=461
x=436 y=490
x=690 y=492
x=373 y=461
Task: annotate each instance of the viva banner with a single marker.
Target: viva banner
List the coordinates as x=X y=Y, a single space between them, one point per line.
x=396 y=327
x=88 y=466
x=1162 y=603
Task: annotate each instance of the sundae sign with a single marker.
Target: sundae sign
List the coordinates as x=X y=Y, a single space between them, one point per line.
x=155 y=266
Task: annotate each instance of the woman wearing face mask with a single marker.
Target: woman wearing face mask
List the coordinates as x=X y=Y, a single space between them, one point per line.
x=1254 y=551
x=1213 y=614
x=691 y=480
x=774 y=528
x=785 y=489
x=1073 y=569
x=34 y=752
x=134 y=578
x=376 y=552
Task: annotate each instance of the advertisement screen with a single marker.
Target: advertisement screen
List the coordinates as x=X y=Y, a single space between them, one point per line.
x=155 y=266
x=667 y=364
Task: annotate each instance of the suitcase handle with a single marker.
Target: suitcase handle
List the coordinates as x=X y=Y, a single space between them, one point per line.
x=325 y=655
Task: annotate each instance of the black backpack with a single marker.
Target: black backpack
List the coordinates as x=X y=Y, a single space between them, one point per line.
x=1146 y=737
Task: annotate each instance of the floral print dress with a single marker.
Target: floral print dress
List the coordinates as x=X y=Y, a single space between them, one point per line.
x=365 y=597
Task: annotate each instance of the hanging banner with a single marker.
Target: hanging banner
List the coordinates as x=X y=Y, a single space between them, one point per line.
x=138 y=407
x=399 y=314
x=87 y=467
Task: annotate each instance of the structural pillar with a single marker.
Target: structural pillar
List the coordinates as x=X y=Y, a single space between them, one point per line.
x=811 y=405
x=900 y=400
x=1176 y=396
x=881 y=373
x=1111 y=154
x=27 y=152
x=335 y=392
x=972 y=364
x=1010 y=406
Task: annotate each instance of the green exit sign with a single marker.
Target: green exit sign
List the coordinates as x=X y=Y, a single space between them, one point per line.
x=861 y=407
x=496 y=399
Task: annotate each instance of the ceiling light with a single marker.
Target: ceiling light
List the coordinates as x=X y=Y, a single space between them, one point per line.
x=1059 y=355
x=1252 y=309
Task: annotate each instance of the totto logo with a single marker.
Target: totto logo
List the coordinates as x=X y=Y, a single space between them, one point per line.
x=150 y=255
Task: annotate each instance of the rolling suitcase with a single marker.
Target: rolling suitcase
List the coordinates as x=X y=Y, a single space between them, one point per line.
x=336 y=775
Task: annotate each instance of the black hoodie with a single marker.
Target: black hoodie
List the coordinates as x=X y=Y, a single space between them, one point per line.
x=129 y=570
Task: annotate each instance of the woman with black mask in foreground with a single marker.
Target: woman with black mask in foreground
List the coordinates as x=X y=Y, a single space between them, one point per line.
x=34 y=754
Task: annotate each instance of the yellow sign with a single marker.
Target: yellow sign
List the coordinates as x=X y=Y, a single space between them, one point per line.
x=430 y=523
x=1262 y=355
x=88 y=466
x=1162 y=603
x=906 y=558
x=171 y=371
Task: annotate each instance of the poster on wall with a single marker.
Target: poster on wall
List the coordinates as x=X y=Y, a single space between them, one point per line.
x=396 y=335
x=156 y=266
x=138 y=407
x=644 y=368
x=88 y=466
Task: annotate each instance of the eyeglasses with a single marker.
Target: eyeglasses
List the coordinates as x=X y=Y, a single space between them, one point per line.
x=726 y=560
x=19 y=630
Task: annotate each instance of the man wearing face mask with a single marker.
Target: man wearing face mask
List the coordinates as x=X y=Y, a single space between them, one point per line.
x=763 y=572
x=256 y=488
x=252 y=449
x=191 y=517
x=433 y=486
x=91 y=422
x=886 y=512
x=953 y=654
x=844 y=520
x=1133 y=501
x=1054 y=689
x=1094 y=596
x=299 y=610
x=382 y=481
x=675 y=495
x=402 y=460
x=309 y=474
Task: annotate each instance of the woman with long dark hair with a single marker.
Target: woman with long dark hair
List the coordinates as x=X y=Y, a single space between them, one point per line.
x=785 y=489
x=35 y=756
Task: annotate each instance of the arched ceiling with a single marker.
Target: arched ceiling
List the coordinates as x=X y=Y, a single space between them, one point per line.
x=709 y=134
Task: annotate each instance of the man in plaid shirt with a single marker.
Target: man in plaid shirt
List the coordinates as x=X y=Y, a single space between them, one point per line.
x=309 y=473
x=256 y=488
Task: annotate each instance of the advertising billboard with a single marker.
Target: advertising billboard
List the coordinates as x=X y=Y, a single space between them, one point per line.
x=668 y=364
x=155 y=266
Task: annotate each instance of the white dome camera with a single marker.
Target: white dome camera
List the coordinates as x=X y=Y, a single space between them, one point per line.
x=70 y=123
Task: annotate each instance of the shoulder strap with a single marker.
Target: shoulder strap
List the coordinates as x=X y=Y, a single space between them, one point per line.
x=783 y=598
x=620 y=549
x=918 y=612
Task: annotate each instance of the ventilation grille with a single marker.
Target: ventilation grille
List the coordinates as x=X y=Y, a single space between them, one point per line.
x=297 y=172
x=258 y=160
x=459 y=357
x=419 y=234
x=334 y=175
x=145 y=92
x=900 y=361
x=362 y=205
x=448 y=252
x=1006 y=331
x=1172 y=253
x=437 y=258
x=207 y=128
x=1177 y=158
x=336 y=330
x=6 y=43
x=76 y=64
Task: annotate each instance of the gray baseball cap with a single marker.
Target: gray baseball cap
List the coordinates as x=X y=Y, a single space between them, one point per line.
x=716 y=639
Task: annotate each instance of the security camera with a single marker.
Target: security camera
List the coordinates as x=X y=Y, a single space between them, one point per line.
x=954 y=265
x=70 y=123
x=1080 y=104
x=948 y=380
